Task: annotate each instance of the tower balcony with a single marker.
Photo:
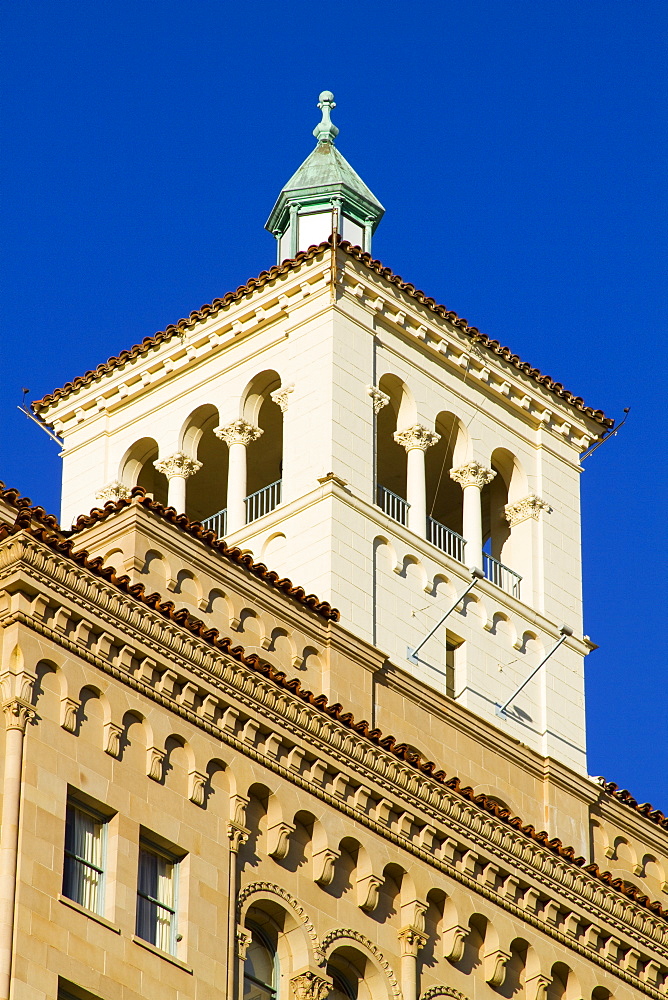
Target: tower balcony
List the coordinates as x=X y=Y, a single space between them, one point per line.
x=257 y=505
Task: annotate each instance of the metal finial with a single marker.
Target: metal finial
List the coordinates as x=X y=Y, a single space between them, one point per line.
x=325 y=131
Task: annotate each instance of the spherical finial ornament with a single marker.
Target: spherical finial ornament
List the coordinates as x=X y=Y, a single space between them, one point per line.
x=325 y=131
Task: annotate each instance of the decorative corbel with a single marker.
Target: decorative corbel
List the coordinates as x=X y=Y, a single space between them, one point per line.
x=112 y=739
x=454 y=940
x=495 y=966
x=155 y=760
x=323 y=866
x=197 y=781
x=536 y=987
x=278 y=840
x=367 y=892
x=69 y=707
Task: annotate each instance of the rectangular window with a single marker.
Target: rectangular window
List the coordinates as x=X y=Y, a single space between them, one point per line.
x=156 y=897
x=83 y=870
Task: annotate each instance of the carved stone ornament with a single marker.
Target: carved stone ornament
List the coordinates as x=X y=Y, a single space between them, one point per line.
x=453 y=942
x=113 y=491
x=238 y=432
x=442 y=991
x=536 y=987
x=281 y=396
x=308 y=986
x=530 y=506
x=278 y=840
x=68 y=714
x=411 y=941
x=244 y=938
x=367 y=892
x=18 y=714
x=197 y=782
x=495 y=966
x=380 y=399
x=416 y=436
x=154 y=763
x=112 y=739
x=237 y=837
x=178 y=465
x=323 y=866
x=472 y=474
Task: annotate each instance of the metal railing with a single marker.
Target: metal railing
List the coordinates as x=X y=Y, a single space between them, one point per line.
x=445 y=539
x=394 y=506
x=505 y=578
x=217 y=522
x=263 y=502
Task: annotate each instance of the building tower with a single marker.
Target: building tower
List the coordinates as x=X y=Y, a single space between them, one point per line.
x=348 y=430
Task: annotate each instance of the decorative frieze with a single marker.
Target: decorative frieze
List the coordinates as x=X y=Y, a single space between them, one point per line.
x=309 y=986
x=178 y=465
x=521 y=510
x=417 y=436
x=114 y=491
x=380 y=399
x=472 y=474
x=281 y=396
x=238 y=432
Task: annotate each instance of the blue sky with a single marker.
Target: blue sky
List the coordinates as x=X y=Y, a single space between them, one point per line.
x=518 y=150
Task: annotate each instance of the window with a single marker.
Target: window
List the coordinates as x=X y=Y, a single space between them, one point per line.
x=83 y=870
x=156 y=897
x=260 y=968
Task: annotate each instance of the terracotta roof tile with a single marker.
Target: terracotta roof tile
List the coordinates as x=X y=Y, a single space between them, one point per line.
x=209 y=538
x=645 y=808
x=288 y=265
x=195 y=626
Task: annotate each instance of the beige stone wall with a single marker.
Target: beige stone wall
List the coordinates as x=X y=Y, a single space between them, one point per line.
x=351 y=855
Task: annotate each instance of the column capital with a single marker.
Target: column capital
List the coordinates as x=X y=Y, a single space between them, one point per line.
x=380 y=399
x=178 y=465
x=281 y=396
x=244 y=938
x=520 y=510
x=309 y=986
x=411 y=941
x=18 y=714
x=237 y=836
x=416 y=436
x=472 y=474
x=114 y=491
x=238 y=432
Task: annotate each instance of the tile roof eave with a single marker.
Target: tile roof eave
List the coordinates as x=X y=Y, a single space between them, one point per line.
x=183 y=618
x=304 y=257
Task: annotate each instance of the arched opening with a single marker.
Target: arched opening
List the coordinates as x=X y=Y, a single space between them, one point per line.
x=353 y=975
x=444 y=496
x=261 y=972
x=265 y=454
x=206 y=491
x=497 y=554
x=137 y=469
x=391 y=462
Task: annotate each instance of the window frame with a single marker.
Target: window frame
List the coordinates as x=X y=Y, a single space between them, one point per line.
x=78 y=804
x=148 y=845
x=265 y=940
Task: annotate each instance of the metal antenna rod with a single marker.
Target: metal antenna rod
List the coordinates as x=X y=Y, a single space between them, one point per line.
x=565 y=633
x=412 y=653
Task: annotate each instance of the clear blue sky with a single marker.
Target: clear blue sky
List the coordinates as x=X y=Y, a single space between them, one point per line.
x=518 y=149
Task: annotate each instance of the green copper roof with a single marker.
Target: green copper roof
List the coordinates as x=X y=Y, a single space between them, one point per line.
x=326 y=175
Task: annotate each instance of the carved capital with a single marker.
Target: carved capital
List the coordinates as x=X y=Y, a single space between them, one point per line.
x=495 y=966
x=238 y=432
x=530 y=506
x=244 y=938
x=380 y=399
x=281 y=396
x=472 y=474
x=112 y=739
x=416 y=437
x=113 y=491
x=411 y=940
x=178 y=465
x=18 y=714
x=309 y=986
x=237 y=836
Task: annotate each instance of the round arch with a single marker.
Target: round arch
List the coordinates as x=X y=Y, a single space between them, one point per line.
x=137 y=469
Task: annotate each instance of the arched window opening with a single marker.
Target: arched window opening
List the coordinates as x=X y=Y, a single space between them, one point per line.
x=264 y=482
x=391 y=461
x=261 y=964
x=137 y=469
x=350 y=972
x=444 y=496
x=497 y=555
x=206 y=492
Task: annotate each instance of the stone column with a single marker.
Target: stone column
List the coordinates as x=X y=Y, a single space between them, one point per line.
x=416 y=440
x=237 y=436
x=472 y=477
x=236 y=950
x=177 y=468
x=522 y=516
x=410 y=940
x=18 y=713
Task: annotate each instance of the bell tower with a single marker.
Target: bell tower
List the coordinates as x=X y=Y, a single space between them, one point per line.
x=363 y=440
x=324 y=196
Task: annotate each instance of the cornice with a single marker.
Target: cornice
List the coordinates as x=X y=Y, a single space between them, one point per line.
x=407 y=789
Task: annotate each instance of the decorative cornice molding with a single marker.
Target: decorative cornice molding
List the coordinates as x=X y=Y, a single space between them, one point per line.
x=417 y=436
x=178 y=465
x=472 y=474
x=380 y=399
x=521 y=510
x=282 y=396
x=113 y=491
x=238 y=432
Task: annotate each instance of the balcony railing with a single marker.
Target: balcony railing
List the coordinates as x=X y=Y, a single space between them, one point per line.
x=263 y=502
x=505 y=578
x=445 y=539
x=217 y=522
x=394 y=506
